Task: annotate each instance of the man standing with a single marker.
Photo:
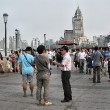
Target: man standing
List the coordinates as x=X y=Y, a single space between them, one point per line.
x=25 y=60
x=82 y=56
x=97 y=63
x=66 y=74
x=43 y=75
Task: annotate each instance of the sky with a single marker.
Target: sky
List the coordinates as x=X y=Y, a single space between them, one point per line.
x=34 y=18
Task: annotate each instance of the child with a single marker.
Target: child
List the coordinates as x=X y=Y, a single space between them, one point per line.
x=105 y=68
x=1 y=65
x=8 y=65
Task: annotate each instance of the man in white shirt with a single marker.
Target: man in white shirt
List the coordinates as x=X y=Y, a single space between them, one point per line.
x=66 y=73
x=81 y=56
x=50 y=55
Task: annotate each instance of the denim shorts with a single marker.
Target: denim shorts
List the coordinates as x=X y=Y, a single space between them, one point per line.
x=27 y=78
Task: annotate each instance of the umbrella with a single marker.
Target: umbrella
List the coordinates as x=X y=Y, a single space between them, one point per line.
x=66 y=43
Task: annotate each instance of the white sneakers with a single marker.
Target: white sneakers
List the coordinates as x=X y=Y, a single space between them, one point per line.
x=45 y=103
x=48 y=103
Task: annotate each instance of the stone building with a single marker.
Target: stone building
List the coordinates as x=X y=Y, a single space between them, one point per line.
x=77 y=34
x=68 y=35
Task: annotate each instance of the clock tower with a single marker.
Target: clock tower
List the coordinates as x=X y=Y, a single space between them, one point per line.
x=77 y=23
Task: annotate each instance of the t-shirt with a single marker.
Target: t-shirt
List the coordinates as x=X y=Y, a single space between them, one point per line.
x=50 y=55
x=82 y=55
x=106 y=54
x=42 y=63
x=59 y=57
x=97 y=57
x=76 y=57
x=13 y=58
x=66 y=62
x=8 y=64
x=26 y=67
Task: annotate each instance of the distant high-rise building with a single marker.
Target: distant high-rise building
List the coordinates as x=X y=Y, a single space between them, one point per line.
x=49 y=43
x=2 y=44
x=95 y=39
x=24 y=44
x=12 y=43
x=11 y=46
x=35 y=42
x=15 y=39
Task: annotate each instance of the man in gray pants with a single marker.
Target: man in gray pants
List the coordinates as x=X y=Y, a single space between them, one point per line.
x=97 y=63
x=43 y=75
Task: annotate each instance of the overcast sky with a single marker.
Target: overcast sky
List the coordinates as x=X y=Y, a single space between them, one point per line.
x=34 y=18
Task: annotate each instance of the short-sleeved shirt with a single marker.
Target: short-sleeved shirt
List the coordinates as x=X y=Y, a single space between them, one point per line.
x=106 y=54
x=26 y=66
x=82 y=55
x=97 y=57
x=42 y=63
x=89 y=60
x=66 y=62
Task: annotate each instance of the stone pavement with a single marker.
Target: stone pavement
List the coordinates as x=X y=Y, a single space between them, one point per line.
x=86 y=95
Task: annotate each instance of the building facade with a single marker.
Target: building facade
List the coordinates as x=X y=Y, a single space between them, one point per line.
x=35 y=43
x=11 y=41
x=15 y=42
x=107 y=41
x=77 y=34
x=100 y=40
x=78 y=29
x=2 y=44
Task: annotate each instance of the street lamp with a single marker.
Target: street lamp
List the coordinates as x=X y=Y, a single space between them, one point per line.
x=16 y=33
x=45 y=40
x=5 y=16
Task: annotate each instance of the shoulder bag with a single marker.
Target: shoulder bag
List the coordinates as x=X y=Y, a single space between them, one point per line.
x=33 y=65
x=44 y=66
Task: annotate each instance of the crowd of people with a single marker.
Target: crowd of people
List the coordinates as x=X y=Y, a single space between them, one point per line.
x=96 y=60
x=28 y=61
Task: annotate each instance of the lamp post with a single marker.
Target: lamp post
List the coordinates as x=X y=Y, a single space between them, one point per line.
x=45 y=40
x=16 y=33
x=5 y=16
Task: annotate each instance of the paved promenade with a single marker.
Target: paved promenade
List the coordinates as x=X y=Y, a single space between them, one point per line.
x=86 y=95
